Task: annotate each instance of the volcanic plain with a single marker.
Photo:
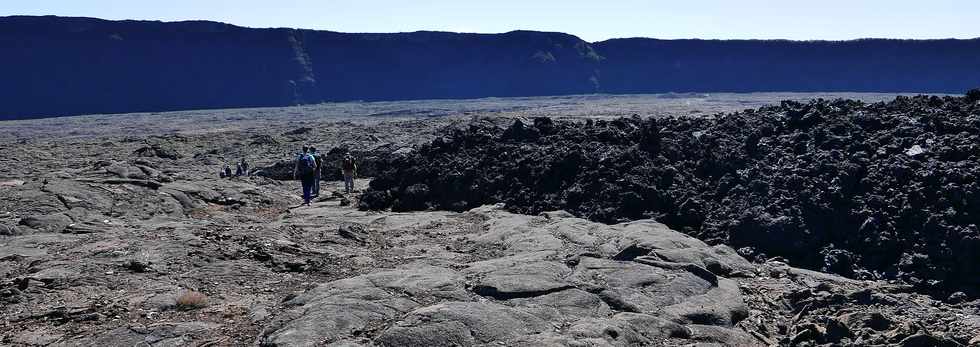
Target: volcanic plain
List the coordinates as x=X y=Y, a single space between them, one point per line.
x=479 y=223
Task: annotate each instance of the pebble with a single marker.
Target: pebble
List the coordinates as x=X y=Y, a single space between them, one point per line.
x=956 y=298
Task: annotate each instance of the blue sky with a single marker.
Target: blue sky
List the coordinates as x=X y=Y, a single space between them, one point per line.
x=591 y=20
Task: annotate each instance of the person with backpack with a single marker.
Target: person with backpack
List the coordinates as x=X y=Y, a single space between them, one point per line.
x=319 y=170
x=349 y=168
x=305 y=171
x=244 y=165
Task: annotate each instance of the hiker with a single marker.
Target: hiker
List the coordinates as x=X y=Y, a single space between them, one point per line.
x=244 y=165
x=305 y=171
x=227 y=171
x=349 y=167
x=239 y=171
x=319 y=169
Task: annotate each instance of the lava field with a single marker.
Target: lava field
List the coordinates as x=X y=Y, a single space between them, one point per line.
x=883 y=190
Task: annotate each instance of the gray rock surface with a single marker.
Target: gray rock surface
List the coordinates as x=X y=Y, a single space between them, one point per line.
x=98 y=244
x=531 y=291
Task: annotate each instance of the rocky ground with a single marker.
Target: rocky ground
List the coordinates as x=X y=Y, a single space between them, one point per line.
x=870 y=191
x=132 y=239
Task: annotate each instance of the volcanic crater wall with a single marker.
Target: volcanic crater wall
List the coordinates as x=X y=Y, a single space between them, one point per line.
x=873 y=191
x=57 y=66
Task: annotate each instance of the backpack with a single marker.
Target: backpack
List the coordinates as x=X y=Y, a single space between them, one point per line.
x=307 y=164
x=348 y=163
x=319 y=159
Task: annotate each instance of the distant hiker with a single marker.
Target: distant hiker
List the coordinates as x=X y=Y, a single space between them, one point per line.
x=244 y=165
x=319 y=169
x=349 y=167
x=227 y=171
x=305 y=171
x=239 y=170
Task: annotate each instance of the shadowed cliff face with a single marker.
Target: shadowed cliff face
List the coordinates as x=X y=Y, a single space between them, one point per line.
x=447 y=65
x=55 y=66
x=66 y=66
x=881 y=65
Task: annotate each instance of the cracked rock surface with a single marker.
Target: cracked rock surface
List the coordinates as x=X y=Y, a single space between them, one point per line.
x=561 y=290
x=117 y=231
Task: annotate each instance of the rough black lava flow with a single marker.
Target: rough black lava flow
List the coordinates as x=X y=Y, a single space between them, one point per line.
x=884 y=190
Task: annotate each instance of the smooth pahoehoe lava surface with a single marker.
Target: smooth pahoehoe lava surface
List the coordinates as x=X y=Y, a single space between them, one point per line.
x=884 y=190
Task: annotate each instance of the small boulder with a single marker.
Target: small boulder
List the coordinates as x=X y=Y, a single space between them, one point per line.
x=9 y=230
x=973 y=95
x=354 y=232
x=836 y=331
x=137 y=266
x=159 y=151
x=957 y=298
x=55 y=222
x=921 y=340
x=870 y=320
x=375 y=200
x=808 y=332
x=413 y=198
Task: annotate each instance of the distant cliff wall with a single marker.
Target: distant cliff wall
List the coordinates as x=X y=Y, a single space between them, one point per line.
x=868 y=65
x=62 y=66
x=56 y=66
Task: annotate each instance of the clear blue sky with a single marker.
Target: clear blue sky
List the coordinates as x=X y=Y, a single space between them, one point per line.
x=591 y=20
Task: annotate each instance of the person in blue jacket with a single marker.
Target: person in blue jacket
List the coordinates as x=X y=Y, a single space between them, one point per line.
x=305 y=171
